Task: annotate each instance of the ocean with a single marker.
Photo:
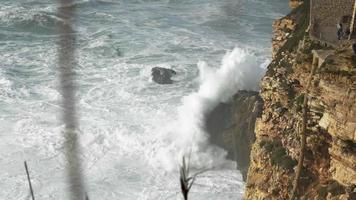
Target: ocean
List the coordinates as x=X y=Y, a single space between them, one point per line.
x=132 y=131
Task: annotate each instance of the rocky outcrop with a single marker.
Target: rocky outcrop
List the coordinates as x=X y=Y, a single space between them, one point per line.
x=162 y=75
x=282 y=31
x=329 y=166
x=294 y=3
x=231 y=126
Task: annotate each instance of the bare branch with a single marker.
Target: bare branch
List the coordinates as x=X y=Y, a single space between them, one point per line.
x=29 y=181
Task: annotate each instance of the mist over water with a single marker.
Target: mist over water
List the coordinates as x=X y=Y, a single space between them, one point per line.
x=133 y=131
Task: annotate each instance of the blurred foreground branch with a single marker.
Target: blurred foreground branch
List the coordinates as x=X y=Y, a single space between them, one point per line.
x=186 y=181
x=29 y=181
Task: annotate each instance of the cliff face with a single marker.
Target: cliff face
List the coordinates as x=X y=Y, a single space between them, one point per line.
x=231 y=126
x=329 y=166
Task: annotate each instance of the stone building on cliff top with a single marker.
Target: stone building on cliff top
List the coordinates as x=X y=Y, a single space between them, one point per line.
x=326 y=14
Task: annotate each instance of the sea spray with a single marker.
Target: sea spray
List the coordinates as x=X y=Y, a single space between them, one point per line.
x=239 y=70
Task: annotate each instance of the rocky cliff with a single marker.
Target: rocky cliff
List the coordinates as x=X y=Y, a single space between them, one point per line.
x=231 y=126
x=329 y=165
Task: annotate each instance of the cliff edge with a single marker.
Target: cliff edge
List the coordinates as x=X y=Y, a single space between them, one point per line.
x=329 y=165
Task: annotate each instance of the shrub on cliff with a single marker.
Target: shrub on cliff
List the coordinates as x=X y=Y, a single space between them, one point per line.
x=278 y=154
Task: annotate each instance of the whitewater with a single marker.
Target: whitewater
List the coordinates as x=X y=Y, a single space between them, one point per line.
x=132 y=132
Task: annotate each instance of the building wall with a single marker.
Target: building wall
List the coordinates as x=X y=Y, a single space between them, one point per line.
x=329 y=12
x=325 y=14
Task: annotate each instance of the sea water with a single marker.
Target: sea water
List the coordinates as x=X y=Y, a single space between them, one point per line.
x=132 y=131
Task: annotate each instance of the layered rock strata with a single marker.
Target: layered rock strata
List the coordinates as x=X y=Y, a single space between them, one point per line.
x=329 y=167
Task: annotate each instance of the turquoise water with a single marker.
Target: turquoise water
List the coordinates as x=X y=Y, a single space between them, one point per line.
x=132 y=131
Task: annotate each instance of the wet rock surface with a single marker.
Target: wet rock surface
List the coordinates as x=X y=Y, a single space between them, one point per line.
x=162 y=75
x=231 y=126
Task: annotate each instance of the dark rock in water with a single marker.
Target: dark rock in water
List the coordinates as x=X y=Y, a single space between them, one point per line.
x=118 y=52
x=162 y=75
x=231 y=126
x=217 y=121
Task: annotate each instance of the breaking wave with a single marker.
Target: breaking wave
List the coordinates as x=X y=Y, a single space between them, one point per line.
x=30 y=20
x=239 y=70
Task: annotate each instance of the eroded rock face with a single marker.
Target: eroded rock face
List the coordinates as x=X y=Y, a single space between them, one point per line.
x=294 y=3
x=162 y=75
x=231 y=126
x=329 y=169
x=282 y=31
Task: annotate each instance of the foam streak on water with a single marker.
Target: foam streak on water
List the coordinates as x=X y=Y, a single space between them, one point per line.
x=132 y=131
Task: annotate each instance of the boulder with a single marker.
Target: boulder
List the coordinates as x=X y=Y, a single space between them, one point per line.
x=162 y=75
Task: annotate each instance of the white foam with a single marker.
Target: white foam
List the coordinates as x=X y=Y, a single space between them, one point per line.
x=126 y=122
x=5 y=82
x=238 y=71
